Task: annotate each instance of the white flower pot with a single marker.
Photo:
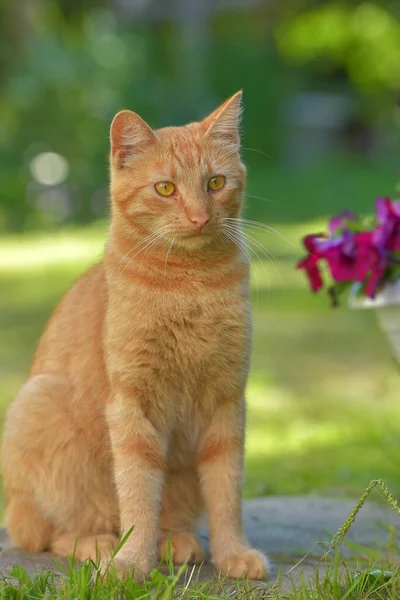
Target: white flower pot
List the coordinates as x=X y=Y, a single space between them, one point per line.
x=387 y=306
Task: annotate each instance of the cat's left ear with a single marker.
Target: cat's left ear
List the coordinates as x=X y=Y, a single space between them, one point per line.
x=130 y=136
x=223 y=124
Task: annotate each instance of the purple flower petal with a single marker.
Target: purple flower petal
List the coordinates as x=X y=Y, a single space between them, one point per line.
x=338 y=222
x=348 y=245
x=383 y=209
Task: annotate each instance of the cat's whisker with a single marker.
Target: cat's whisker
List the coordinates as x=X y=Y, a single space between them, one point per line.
x=153 y=242
x=267 y=253
x=150 y=243
x=261 y=198
x=258 y=152
x=237 y=235
x=264 y=227
x=168 y=251
x=241 y=244
x=142 y=241
x=250 y=241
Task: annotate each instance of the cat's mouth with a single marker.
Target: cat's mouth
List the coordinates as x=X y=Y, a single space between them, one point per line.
x=195 y=233
x=194 y=238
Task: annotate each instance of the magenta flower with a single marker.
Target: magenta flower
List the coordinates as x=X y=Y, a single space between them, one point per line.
x=340 y=255
x=370 y=262
x=364 y=256
x=339 y=223
x=309 y=264
x=387 y=233
x=352 y=257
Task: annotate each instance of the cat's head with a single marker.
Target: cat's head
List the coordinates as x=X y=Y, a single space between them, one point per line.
x=181 y=182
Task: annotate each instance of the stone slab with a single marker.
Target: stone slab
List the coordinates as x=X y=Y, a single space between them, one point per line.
x=285 y=528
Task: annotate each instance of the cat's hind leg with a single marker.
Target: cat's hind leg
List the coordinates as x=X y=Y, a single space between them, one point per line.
x=24 y=450
x=95 y=546
x=56 y=473
x=181 y=508
x=27 y=528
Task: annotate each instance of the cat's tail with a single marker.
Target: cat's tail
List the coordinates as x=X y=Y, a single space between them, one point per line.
x=26 y=526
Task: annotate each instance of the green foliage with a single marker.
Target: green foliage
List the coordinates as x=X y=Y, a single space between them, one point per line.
x=69 y=67
x=71 y=76
x=363 y=37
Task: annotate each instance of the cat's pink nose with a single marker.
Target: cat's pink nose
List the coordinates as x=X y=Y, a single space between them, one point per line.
x=200 y=221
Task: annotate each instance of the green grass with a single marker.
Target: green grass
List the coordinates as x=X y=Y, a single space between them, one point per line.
x=84 y=583
x=333 y=580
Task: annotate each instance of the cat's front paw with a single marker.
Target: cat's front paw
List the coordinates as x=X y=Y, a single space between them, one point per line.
x=181 y=547
x=124 y=565
x=248 y=563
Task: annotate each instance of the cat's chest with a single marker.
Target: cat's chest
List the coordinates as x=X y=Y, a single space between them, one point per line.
x=189 y=334
x=199 y=328
x=182 y=336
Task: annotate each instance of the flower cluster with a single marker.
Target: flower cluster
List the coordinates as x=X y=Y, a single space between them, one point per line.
x=356 y=253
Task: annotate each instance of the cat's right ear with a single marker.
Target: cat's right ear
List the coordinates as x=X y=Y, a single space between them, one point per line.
x=130 y=136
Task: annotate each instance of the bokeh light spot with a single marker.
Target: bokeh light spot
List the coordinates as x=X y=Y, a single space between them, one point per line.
x=49 y=168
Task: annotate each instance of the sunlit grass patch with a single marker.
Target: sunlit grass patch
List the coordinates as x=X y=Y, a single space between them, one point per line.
x=316 y=444
x=65 y=247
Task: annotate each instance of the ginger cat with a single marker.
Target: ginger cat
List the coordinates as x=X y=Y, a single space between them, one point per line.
x=134 y=411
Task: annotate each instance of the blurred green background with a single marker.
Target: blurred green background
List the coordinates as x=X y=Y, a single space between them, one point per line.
x=320 y=135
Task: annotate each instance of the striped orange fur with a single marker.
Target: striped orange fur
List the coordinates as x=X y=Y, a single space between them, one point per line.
x=133 y=412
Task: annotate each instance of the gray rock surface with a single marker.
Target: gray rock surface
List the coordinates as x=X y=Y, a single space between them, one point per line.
x=285 y=528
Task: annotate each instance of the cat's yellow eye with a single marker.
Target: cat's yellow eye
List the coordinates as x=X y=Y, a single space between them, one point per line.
x=216 y=183
x=165 y=188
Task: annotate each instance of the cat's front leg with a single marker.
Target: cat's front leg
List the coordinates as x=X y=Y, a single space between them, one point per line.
x=139 y=455
x=220 y=464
